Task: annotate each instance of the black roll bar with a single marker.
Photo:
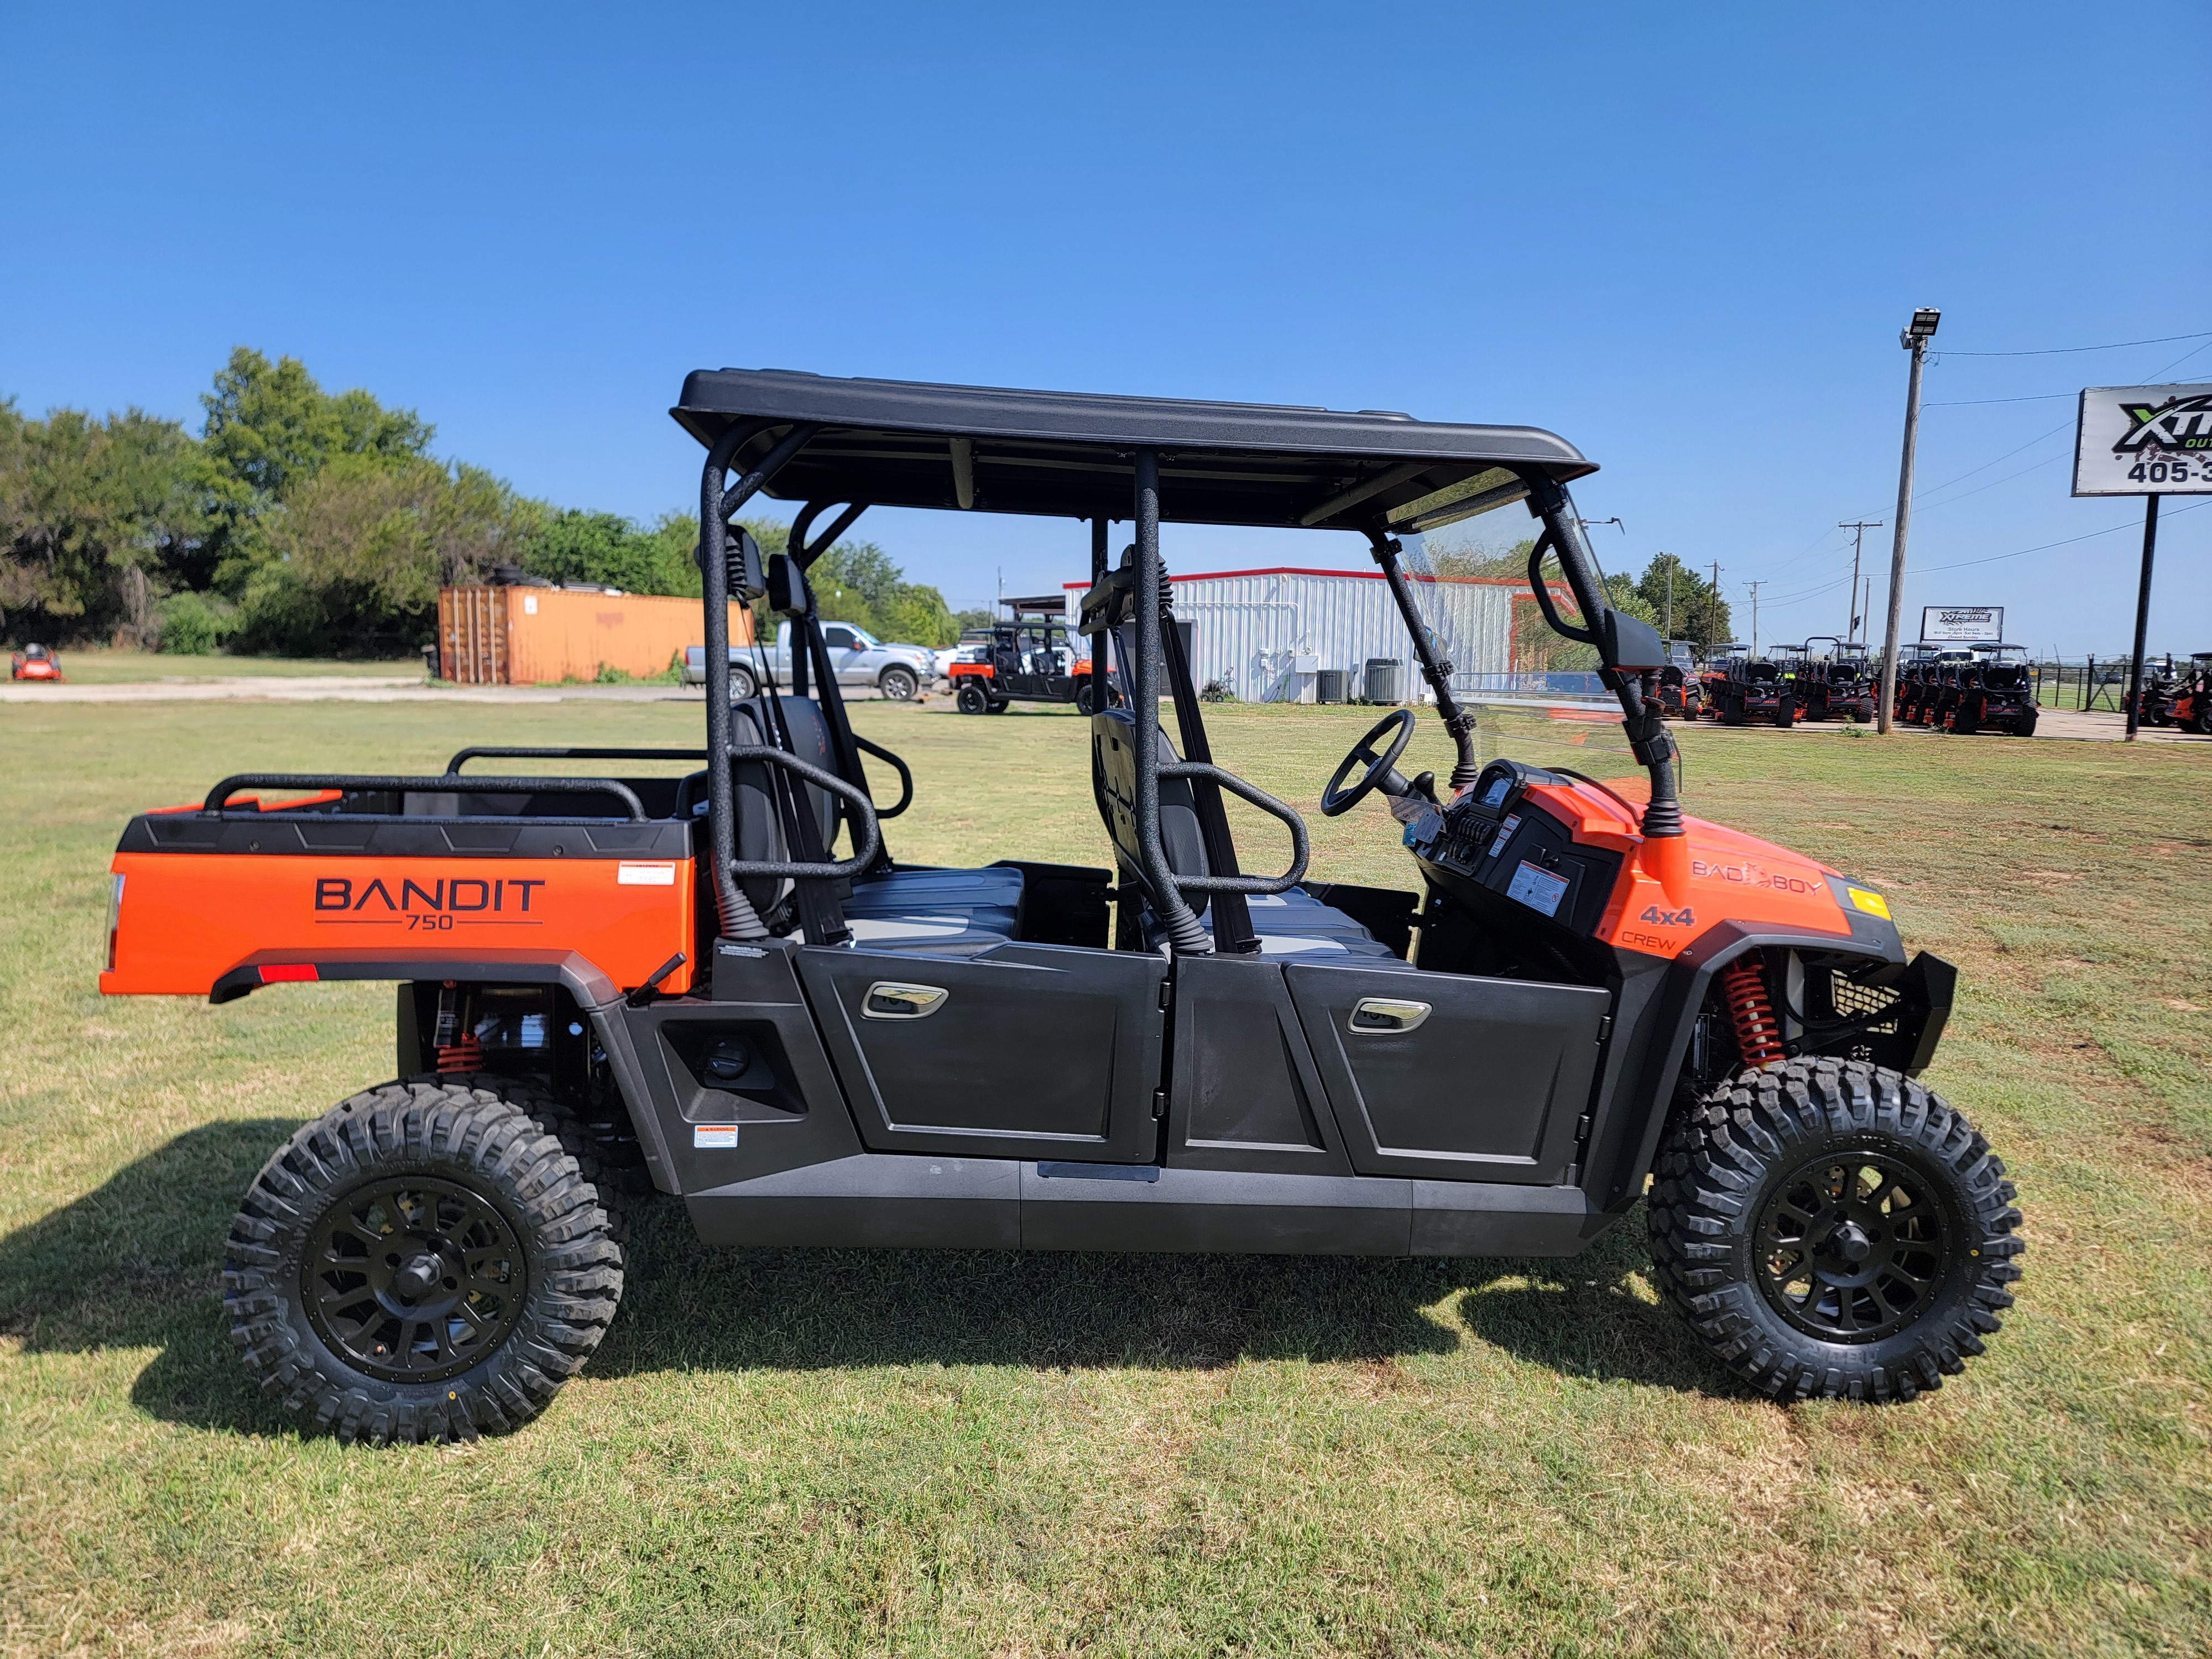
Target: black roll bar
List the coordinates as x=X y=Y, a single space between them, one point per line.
x=502 y=752
x=1456 y=721
x=738 y=919
x=1184 y=932
x=1268 y=804
x=865 y=844
x=905 y=777
x=447 y=785
x=1648 y=737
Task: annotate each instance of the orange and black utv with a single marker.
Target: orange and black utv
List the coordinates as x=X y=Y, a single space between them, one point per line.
x=2189 y=705
x=722 y=986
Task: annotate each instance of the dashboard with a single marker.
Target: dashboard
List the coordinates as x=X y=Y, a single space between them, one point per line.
x=1511 y=860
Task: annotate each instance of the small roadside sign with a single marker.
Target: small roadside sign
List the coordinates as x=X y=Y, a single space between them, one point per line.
x=2144 y=441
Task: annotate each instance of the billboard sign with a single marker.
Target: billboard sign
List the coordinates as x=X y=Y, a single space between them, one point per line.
x=2144 y=441
x=1961 y=624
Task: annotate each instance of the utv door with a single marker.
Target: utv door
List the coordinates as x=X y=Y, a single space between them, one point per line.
x=1033 y=1051
x=1449 y=1077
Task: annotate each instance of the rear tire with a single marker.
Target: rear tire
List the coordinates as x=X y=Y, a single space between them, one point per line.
x=502 y=1272
x=1785 y=713
x=1731 y=711
x=1859 y=1186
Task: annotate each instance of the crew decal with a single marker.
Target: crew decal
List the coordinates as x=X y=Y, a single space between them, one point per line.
x=1658 y=928
x=439 y=905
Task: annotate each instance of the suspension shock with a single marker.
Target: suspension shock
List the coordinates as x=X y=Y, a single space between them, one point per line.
x=1758 y=1033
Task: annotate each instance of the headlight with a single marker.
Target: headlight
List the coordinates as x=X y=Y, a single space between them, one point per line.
x=1872 y=904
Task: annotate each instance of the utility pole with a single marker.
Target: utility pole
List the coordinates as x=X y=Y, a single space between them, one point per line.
x=1713 y=609
x=1754 y=587
x=1914 y=337
x=1670 y=597
x=1858 y=528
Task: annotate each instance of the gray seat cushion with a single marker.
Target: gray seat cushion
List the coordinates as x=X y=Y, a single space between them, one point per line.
x=935 y=910
x=1296 y=924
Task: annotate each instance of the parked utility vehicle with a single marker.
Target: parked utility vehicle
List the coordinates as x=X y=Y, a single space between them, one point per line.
x=1572 y=1002
x=1031 y=657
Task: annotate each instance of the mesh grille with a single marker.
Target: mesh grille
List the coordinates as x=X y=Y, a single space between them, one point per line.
x=1859 y=1002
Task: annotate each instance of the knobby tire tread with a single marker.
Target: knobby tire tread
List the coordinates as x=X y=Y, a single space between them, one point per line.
x=1718 y=1161
x=510 y=1136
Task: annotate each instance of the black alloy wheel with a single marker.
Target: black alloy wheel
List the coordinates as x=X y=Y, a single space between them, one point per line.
x=1851 y=1249
x=429 y=1261
x=1831 y=1230
x=413 y=1279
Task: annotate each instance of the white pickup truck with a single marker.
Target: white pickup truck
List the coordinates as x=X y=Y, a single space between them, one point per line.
x=899 y=672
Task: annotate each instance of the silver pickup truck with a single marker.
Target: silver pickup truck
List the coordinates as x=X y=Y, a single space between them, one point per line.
x=899 y=672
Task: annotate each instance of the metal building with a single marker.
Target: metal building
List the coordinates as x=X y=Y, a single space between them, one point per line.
x=1267 y=636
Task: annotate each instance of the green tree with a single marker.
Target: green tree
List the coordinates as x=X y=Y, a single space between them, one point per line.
x=1700 y=614
x=269 y=429
x=364 y=544
x=604 y=548
x=858 y=582
x=92 y=512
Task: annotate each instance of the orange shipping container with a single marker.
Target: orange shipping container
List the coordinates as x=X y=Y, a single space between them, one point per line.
x=543 y=635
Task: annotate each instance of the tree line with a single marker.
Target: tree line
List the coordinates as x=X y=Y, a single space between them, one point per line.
x=300 y=522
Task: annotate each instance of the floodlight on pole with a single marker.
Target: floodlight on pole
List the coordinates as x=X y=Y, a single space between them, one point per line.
x=1914 y=338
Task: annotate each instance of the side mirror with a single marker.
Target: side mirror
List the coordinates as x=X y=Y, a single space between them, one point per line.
x=1630 y=644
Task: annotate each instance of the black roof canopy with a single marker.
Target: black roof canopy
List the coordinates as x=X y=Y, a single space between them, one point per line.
x=902 y=443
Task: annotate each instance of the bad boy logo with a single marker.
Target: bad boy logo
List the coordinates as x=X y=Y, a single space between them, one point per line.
x=2177 y=423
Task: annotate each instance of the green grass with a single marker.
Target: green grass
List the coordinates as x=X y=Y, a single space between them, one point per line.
x=103 y=667
x=798 y=1452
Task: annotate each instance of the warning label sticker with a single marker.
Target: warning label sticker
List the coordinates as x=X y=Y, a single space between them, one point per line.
x=1539 y=890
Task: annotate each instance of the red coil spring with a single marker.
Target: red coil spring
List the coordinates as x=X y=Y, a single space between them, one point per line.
x=1758 y=1033
x=466 y=1056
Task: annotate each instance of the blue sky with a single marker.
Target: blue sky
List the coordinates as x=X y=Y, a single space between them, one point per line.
x=1683 y=237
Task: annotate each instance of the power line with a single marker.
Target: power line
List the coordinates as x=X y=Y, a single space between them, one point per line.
x=2063 y=351
x=2087 y=536
x=1975 y=402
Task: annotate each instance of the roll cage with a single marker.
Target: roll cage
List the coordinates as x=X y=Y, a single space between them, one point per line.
x=841 y=445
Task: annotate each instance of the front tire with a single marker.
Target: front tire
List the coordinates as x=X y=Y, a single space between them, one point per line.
x=426 y=1261
x=1831 y=1230
x=743 y=686
x=897 y=684
x=971 y=699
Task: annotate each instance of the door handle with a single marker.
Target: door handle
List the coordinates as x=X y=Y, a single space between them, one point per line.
x=890 y=999
x=1386 y=1017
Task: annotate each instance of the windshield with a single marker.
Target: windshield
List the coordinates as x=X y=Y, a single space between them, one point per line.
x=1533 y=695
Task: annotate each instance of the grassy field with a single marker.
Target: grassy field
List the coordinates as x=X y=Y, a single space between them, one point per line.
x=828 y=1452
x=119 y=667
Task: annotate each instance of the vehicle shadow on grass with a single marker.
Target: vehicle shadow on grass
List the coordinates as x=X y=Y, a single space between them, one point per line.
x=138 y=1263
x=687 y=1305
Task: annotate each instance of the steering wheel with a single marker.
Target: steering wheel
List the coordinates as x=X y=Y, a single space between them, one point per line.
x=1339 y=798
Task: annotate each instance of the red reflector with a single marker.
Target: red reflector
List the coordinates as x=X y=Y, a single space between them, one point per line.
x=281 y=973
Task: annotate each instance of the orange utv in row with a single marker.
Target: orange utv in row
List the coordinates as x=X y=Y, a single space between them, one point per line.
x=708 y=977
